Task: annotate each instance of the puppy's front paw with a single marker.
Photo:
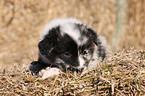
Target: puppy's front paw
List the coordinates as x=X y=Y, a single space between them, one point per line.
x=35 y=67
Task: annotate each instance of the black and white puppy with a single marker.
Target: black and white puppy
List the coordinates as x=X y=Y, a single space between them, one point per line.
x=69 y=44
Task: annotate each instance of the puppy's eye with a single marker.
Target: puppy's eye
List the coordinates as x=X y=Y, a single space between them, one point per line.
x=67 y=54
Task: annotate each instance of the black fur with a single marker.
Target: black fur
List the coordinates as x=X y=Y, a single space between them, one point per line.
x=56 y=45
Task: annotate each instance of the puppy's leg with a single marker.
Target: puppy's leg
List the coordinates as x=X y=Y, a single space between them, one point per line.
x=36 y=66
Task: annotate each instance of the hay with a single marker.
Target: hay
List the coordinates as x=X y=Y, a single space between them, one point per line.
x=21 y=22
x=122 y=74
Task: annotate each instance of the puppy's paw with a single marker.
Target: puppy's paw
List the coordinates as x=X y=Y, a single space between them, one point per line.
x=34 y=67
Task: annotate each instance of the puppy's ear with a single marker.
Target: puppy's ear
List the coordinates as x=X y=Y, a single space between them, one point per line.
x=98 y=40
x=88 y=31
x=47 y=44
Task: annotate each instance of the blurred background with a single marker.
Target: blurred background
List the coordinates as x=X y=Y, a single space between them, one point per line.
x=122 y=22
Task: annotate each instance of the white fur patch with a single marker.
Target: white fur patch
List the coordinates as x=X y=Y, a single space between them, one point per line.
x=85 y=39
x=81 y=61
x=70 y=30
x=49 y=72
x=103 y=41
x=57 y=22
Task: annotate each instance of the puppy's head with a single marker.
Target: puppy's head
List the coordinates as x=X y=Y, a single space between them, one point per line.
x=69 y=45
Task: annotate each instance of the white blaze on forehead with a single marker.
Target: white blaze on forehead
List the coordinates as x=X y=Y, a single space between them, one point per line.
x=71 y=30
x=68 y=26
x=57 y=22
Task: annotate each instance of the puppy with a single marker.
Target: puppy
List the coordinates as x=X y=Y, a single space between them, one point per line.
x=69 y=44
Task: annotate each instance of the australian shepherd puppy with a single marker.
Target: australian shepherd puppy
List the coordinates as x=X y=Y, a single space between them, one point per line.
x=69 y=44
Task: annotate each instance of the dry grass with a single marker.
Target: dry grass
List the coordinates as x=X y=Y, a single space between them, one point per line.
x=122 y=74
x=21 y=22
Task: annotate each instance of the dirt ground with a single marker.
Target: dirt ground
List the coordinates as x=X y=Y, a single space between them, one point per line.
x=21 y=22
